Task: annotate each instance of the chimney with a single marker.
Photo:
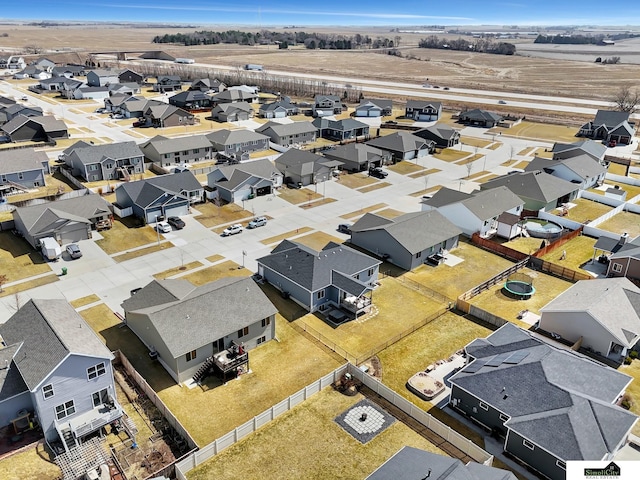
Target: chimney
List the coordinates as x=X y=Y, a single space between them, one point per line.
x=623 y=238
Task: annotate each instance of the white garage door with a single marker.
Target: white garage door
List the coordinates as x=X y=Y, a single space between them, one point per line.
x=73 y=233
x=176 y=211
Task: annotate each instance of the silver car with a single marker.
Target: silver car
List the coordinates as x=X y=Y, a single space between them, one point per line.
x=74 y=250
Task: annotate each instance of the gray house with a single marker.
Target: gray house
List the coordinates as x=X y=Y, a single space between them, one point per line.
x=479 y=118
x=102 y=77
x=67 y=221
x=170 y=152
x=407 y=241
x=232 y=112
x=35 y=129
x=442 y=134
x=423 y=110
x=208 y=85
x=335 y=277
x=165 y=195
x=550 y=405
x=111 y=161
x=538 y=189
x=240 y=181
x=193 y=329
x=402 y=146
x=234 y=95
x=300 y=166
x=626 y=261
x=595 y=150
x=191 y=100
x=374 y=107
x=11 y=111
x=56 y=370
x=22 y=169
x=297 y=133
x=609 y=125
x=582 y=170
x=339 y=130
x=326 y=105
x=280 y=109
x=163 y=115
x=232 y=142
x=358 y=157
x=167 y=83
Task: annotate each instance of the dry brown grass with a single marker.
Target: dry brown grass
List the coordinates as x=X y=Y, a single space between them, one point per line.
x=587 y=210
x=488 y=177
x=284 y=236
x=539 y=131
x=528 y=245
x=579 y=251
x=33 y=463
x=617 y=169
x=451 y=155
x=426 y=191
x=633 y=389
x=18 y=259
x=405 y=168
x=216 y=272
x=362 y=211
x=125 y=234
x=390 y=213
x=297 y=196
x=141 y=252
x=55 y=184
x=623 y=222
x=477 y=175
x=176 y=270
x=318 y=203
x=521 y=165
x=28 y=285
x=212 y=215
x=475 y=142
x=373 y=187
x=543 y=152
x=82 y=301
x=424 y=173
x=317 y=240
x=356 y=180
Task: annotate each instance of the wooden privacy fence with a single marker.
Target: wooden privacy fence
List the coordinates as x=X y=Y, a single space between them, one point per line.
x=478 y=289
x=498 y=248
x=558 y=243
x=558 y=270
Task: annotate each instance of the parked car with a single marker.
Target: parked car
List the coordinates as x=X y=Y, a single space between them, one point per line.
x=378 y=172
x=502 y=102
x=24 y=98
x=291 y=184
x=232 y=230
x=138 y=123
x=74 y=250
x=176 y=222
x=101 y=110
x=345 y=228
x=257 y=222
x=612 y=143
x=163 y=227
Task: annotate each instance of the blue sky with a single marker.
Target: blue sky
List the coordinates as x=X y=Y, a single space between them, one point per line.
x=333 y=12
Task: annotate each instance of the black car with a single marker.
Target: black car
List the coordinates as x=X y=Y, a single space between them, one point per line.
x=345 y=228
x=176 y=222
x=378 y=172
x=293 y=185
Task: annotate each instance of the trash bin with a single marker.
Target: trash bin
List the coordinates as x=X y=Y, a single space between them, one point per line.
x=64 y=270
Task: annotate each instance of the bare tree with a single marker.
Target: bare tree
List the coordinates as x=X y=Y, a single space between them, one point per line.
x=626 y=99
x=469 y=166
x=3 y=280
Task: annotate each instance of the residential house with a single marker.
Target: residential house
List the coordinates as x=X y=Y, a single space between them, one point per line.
x=374 y=107
x=114 y=102
x=324 y=105
x=402 y=146
x=44 y=64
x=480 y=211
x=625 y=262
x=60 y=84
x=12 y=111
x=129 y=88
x=280 y=109
x=67 y=221
x=35 y=129
x=340 y=130
x=232 y=112
x=172 y=152
x=208 y=85
x=539 y=190
x=69 y=71
x=423 y=110
x=234 y=142
x=238 y=182
x=297 y=133
x=32 y=72
x=442 y=134
x=101 y=77
x=358 y=157
x=136 y=108
x=191 y=328
x=85 y=92
x=164 y=195
x=13 y=62
x=581 y=170
x=335 y=277
x=407 y=241
x=191 y=100
x=234 y=95
x=111 y=161
x=306 y=168
x=595 y=150
x=58 y=370
x=608 y=126
x=414 y=464
x=550 y=405
x=480 y=118
x=602 y=314
x=167 y=83
x=22 y=169
x=6 y=101
x=129 y=76
x=160 y=116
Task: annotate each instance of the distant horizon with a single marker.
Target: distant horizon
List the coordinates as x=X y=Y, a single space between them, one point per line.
x=357 y=13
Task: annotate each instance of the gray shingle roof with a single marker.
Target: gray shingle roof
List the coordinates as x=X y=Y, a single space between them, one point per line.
x=206 y=313
x=343 y=125
x=301 y=162
x=313 y=270
x=233 y=137
x=11 y=382
x=164 y=145
x=22 y=160
x=536 y=185
x=144 y=192
x=233 y=95
x=382 y=103
x=630 y=249
x=239 y=173
x=421 y=104
x=556 y=398
x=584 y=166
x=49 y=331
x=99 y=153
x=232 y=107
x=48 y=124
x=288 y=128
x=355 y=152
x=398 y=142
x=590 y=147
x=610 y=118
x=446 y=196
x=479 y=115
x=441 y=130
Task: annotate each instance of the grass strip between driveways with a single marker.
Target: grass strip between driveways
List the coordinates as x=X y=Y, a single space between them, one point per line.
x=28 y=285
x=123 y=257
x=284 y=236
x=82 y=301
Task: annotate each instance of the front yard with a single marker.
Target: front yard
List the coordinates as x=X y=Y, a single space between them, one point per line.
x=18 y=260
x=212 y=215
x=125 y=234
x=297 y=196
x=355 y=180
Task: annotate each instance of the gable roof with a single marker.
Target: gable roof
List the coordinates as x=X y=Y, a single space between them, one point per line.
x=415 y=232
x=187 y=317
x=22 y=160
x=484 y=204
x=48 y=123
x=441 y=130
x=235 y=175
x=590 y=147
x=49 y=330
x=233 y=137
x=99 y=153
x=610 y=118
x=630 y=249
x=381 y=103
x=232 y=107
x=612 y=302
x=281 y=129
x=343 y=125
x=164 y=145
x=355 y=152
x=189 y=96
x=314 y=270
x=233 y=95
x=536 y=185
x=479 y=115
x=398 y=142
x=144 y=192
x=556 y=398
x=164 y=111
x=422 y=104
x=584 y=166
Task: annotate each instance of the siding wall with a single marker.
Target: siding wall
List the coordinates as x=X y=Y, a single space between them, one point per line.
x=11 y=406
x=542 y=461
x=467 y=403
x=573 y=325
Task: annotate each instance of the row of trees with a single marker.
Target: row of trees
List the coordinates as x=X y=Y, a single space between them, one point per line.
x=266 y=37
x=570 y=39
x=481 y=45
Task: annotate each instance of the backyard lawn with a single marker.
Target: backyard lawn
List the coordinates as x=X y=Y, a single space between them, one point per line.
x=397 y=308
x=539 y=131
x=587 y=210
x=306 y=443
x=528 y=245
x=623 y=222
x=617 y=169
x=18 y=260
x=34 y=463
x=125 y=234
x=477 y=266
x=633 y=389
x=631 y=190
x=579 y=251
x=211 y=215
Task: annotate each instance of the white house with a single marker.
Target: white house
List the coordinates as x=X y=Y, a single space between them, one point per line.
x=582 y=170
x=603 y=314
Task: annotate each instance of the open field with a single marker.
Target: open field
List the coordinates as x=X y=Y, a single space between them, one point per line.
x=539 y=131
x=307 y=443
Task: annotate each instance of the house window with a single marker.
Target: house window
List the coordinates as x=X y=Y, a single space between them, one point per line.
x=185 y=153
x=36 y=184
x=370 y=272
x=320 y=294
x=418 y=255
x=4 y=178
x=167 y=155
x=262 y=339
x=483 y=406
x=191 y=355
x=616 y=267
x=109 y=166
x=503 y=417
x=357 y=276
x=100 y=397
x=20 y=176
x=561 y=464
x=528 y=444
x=96 y=371
x=196 y=150
x=93 y=167
x=64 y=410
x=266 y=322
x=47 y=391
x=243 y=331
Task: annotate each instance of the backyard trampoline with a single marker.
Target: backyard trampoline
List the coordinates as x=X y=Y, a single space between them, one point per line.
x=519 y=286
